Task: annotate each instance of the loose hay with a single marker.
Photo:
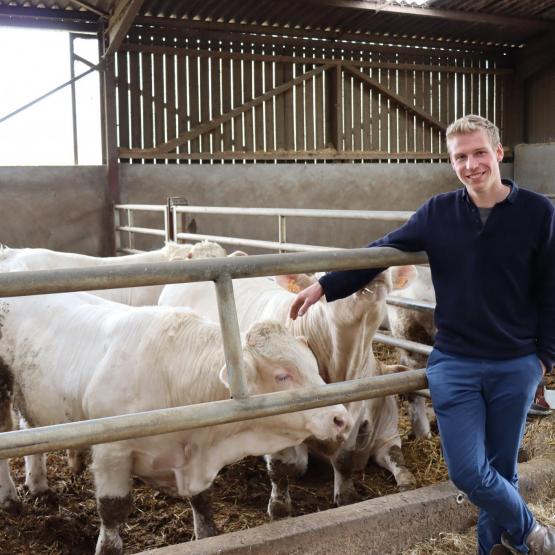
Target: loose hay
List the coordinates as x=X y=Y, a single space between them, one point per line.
x=67 y=523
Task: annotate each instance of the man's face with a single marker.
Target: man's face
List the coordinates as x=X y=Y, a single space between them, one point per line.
x=475 y=161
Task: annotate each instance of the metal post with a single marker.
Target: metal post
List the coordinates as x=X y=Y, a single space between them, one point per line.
x=130 y=235
x=282 y=230
x=73 y=100
x=231 y=337
x=117 y=233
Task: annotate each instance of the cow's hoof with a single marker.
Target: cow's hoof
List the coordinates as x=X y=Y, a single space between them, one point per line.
x=279 y=509
x=346 y=497
x=13 y=507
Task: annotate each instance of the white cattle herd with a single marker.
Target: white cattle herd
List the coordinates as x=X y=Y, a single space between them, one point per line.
x=76 y=356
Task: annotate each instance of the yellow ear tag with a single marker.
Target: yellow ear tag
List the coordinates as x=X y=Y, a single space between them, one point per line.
x=293 y=287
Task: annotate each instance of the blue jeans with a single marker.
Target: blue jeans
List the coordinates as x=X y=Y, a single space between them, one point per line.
x=481 y=408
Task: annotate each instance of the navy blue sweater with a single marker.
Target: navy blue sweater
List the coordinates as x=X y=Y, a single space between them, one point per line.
x=494 y=283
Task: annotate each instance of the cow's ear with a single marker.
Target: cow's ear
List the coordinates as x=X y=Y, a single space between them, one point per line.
x=223 y=376
x=403 y=276
x=238 y=253
x=295 y=282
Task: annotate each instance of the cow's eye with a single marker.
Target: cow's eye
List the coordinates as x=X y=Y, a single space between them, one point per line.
x=282 y=377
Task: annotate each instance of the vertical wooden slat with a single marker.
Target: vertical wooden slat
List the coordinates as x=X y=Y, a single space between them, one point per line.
x=215 y=77
x=279 y=103
x=247 y=95
x=347 y=111
x=123 y=100
x=171 y=108
x=320 y=103
x=375 y=108
x=159 y=111
x=182 y=95
x=401 y=76
x=204 y=94
x=226 y=104
x=471 y=91
x=460 y=95
x=418 y=98
x=410 y=118
x=393 y=112
x=366 y=116
x=259 y=110
x=194 y=108
x=436 y=102
x=237 y=101
x=427 y=105
x=483 y=91
x=357 y=114
x=135 y=92
x=309 y=110
x=148 y=135
x=300 y=141
x=288 y=115
x=269 y=111
x=491 y=95
x=335 y=91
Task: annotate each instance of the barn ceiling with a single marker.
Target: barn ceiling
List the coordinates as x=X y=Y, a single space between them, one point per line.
x=491 y=22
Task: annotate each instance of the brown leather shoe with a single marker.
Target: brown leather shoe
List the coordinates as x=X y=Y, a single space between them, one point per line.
x=540 y=540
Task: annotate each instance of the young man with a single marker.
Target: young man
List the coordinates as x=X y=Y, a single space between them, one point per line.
x=491 y=247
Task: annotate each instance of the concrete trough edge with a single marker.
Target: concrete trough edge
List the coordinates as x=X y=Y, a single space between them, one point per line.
x=384 y=525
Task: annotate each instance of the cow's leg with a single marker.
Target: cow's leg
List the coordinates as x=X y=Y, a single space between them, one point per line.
x=112 y=475
x=418 y=417
x=344 y=492
x=35 y=474
x=391 y=458
x=9 y=500
x=283 y=466
x=76 y=460
x=203 y=517
x=35 y=469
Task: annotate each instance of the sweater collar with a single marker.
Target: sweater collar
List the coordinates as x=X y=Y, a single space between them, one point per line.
x=511 y=197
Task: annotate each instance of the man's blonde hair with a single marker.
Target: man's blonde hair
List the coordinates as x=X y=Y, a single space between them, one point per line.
x=470 y=124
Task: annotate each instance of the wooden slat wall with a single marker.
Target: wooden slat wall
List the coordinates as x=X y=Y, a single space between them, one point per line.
x=169 y=86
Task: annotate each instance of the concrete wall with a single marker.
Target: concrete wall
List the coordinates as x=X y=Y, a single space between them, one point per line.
x=535 y=167
x=327 y=186
x=62 y=207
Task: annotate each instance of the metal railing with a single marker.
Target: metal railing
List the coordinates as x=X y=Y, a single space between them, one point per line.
x=241 y=406
x=173 y=230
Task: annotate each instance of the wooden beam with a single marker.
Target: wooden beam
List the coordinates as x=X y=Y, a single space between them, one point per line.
x=398 y=99
x=163 y=148
x=321 y=154
x=360 y=37
x=90 y=8
x=476 y=17
x=215 y=54
x=535 y=56
x=120 y=22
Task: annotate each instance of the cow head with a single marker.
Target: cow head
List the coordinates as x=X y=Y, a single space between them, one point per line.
x=275 y=361
x=206 y=249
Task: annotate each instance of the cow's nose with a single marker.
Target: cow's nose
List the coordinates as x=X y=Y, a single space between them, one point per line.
x=339 y=422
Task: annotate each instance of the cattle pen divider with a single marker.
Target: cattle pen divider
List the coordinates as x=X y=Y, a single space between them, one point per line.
x=241 y=406
x=173 y=232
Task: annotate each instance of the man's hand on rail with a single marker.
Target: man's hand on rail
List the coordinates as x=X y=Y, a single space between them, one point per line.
x=305 y=299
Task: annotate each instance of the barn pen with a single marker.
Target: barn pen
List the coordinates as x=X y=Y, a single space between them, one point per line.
x=327 y=118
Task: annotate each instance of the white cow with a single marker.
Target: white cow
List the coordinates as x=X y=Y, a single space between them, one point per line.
x=75 y=356
x=413 y=282
x=45 y=259
x=340 y=335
